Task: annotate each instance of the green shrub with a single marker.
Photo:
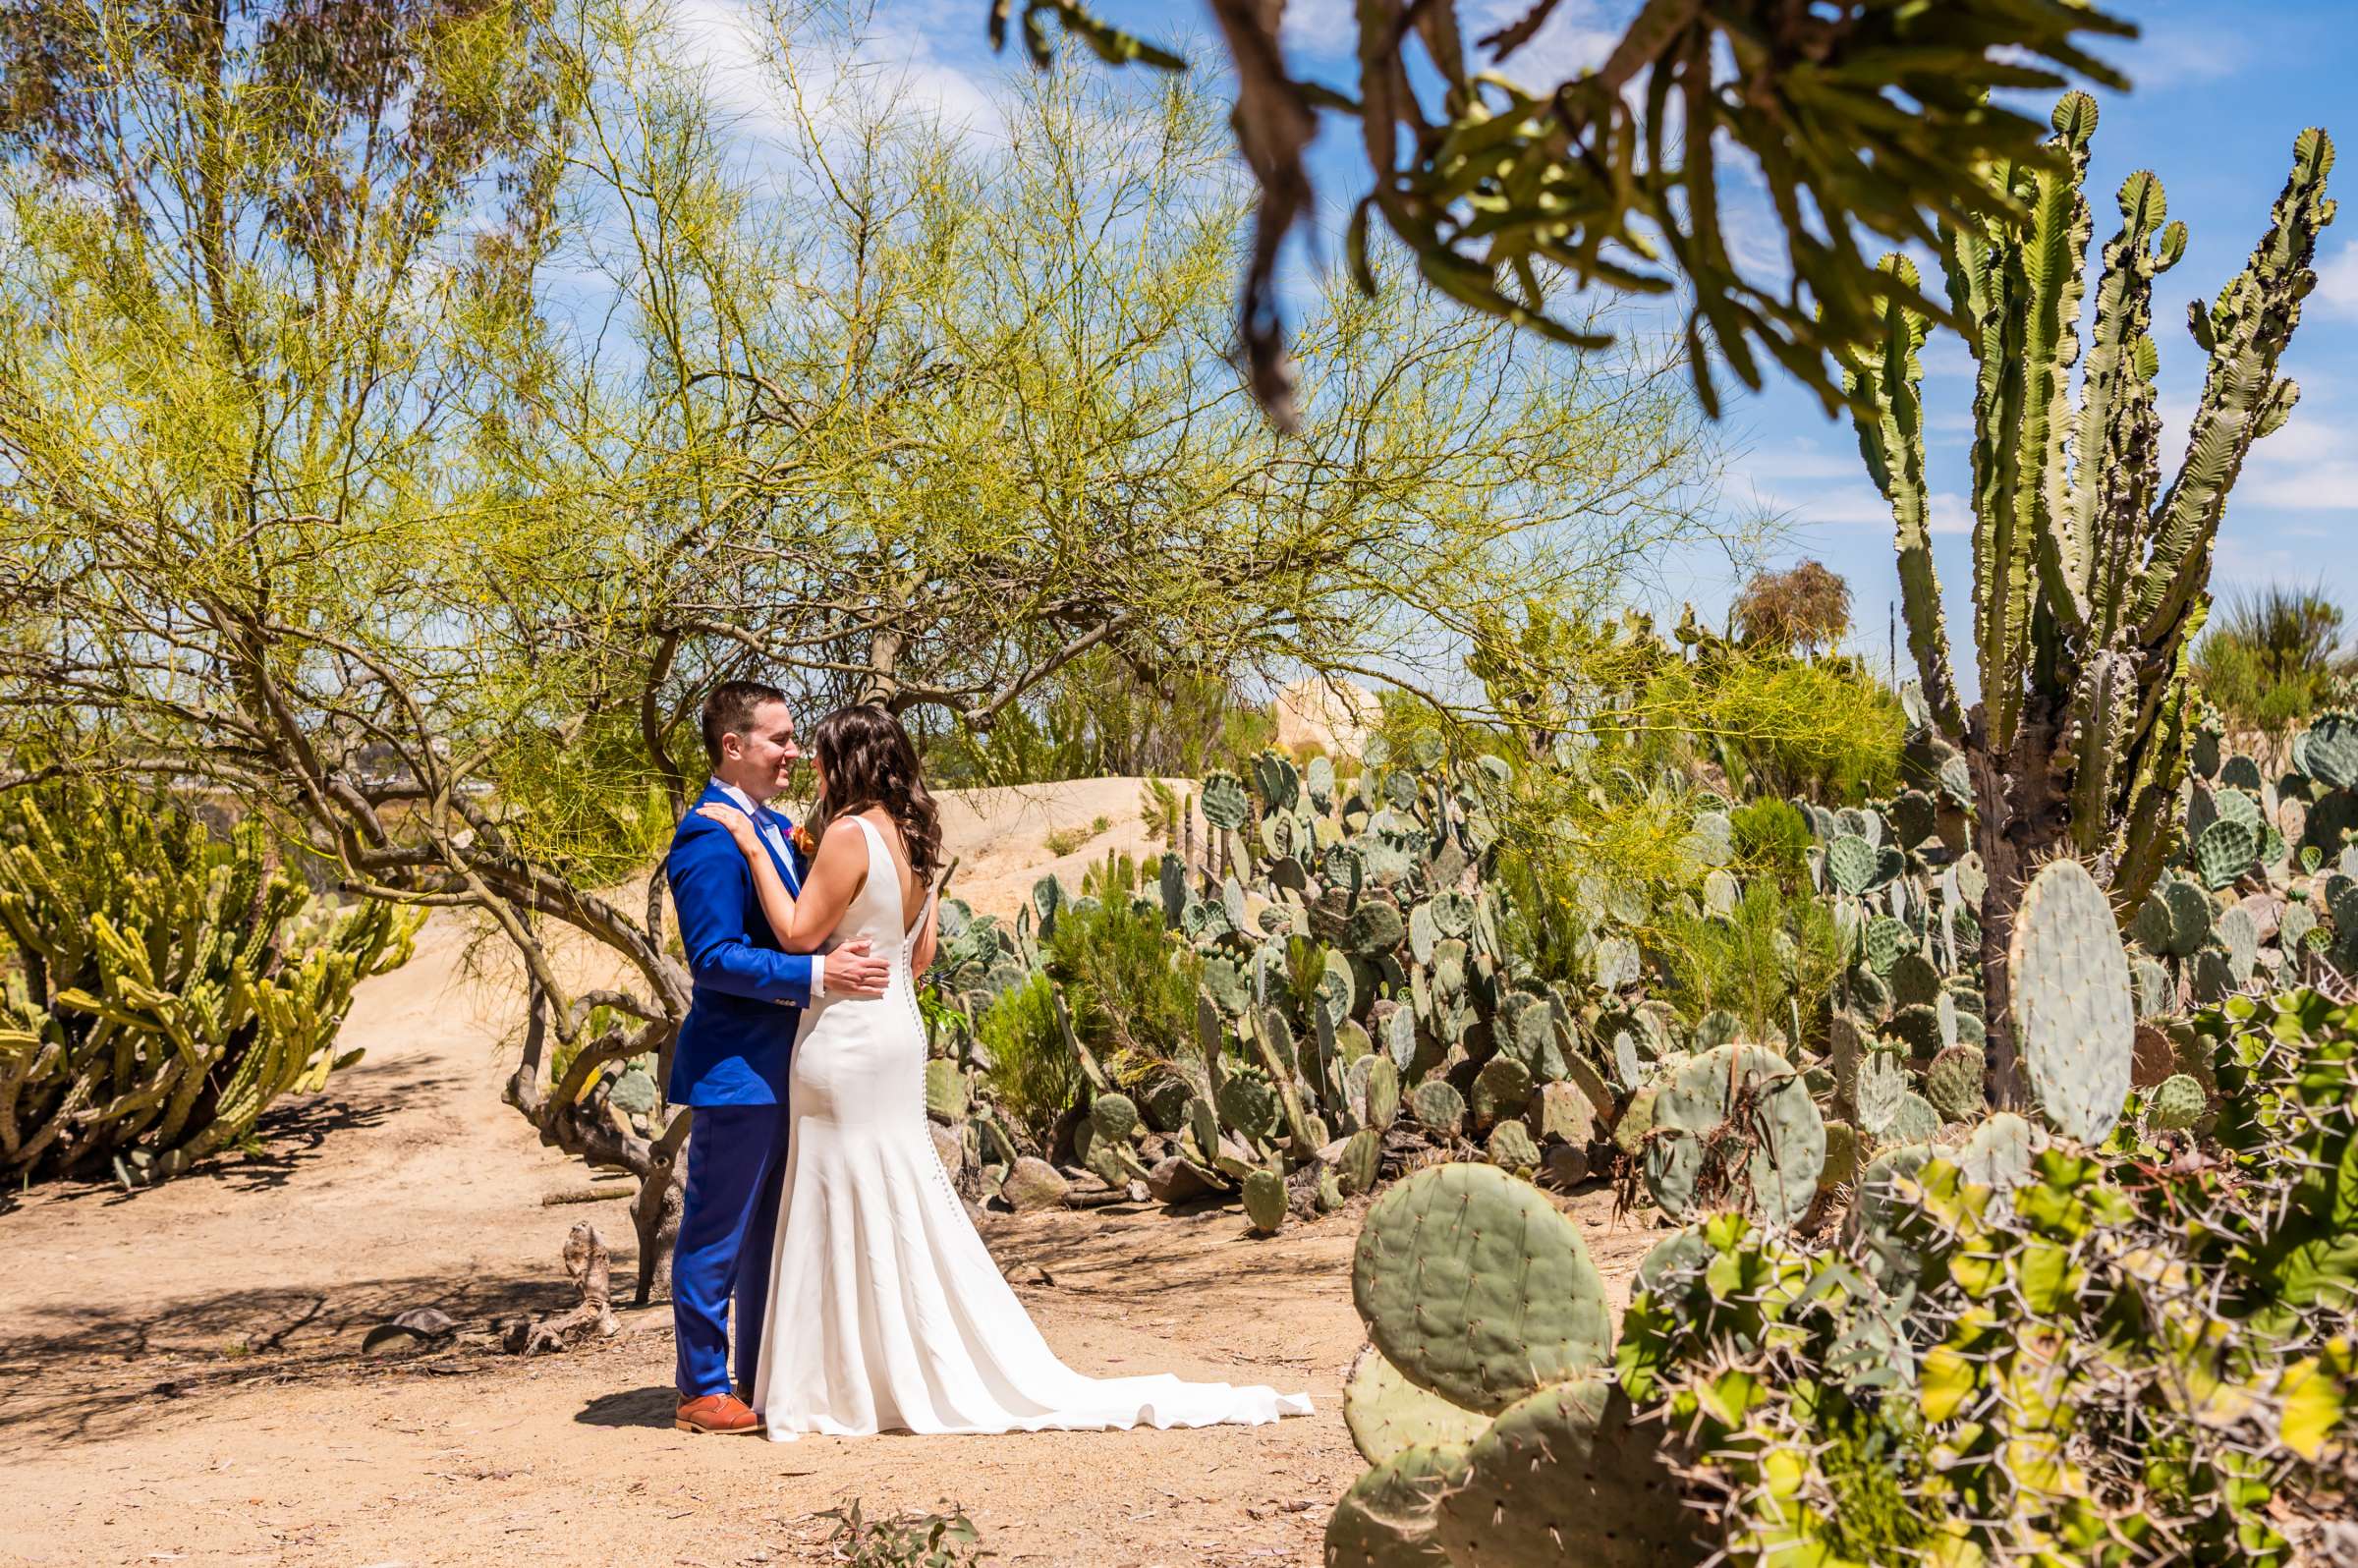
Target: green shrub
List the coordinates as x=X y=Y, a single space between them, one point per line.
x=1131 y=988
x=1822 y=728
x=1772 y=962
x=1773 y=839
x=2274 y=658
x=1031 y=1070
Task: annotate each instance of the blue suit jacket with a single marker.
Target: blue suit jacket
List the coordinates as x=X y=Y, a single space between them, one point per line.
x=734 y=1045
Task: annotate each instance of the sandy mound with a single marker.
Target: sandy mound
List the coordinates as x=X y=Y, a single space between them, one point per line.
x=1000 y=835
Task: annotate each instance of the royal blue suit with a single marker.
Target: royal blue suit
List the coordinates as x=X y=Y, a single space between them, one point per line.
x=730 y=1064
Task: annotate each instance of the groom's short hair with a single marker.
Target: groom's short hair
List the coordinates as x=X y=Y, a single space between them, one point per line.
x=730 y=710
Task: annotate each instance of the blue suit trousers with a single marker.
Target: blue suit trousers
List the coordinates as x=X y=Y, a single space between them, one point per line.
x=728 y=1225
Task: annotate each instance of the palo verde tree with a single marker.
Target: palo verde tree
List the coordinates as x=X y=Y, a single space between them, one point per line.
x=2090 y=575
x=426 y=533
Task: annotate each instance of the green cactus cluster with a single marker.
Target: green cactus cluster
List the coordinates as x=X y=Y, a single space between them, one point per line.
x=2091 y=574
x=161 y=989
x=2018 y=1347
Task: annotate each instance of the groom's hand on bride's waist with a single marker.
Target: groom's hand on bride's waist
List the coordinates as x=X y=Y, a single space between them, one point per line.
x=852 y=971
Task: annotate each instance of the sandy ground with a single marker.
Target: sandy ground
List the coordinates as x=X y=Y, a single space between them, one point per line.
x=181 y=1380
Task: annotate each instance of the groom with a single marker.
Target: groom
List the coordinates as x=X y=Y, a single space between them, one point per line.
x=730 y=1062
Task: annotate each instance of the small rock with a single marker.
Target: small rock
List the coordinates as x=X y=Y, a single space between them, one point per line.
x=1175 y=1181
x=1035 y=1184
x=419 y=1326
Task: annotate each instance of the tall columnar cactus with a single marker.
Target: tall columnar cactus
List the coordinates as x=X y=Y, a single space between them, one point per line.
x=2089 y=577
x=164 y=989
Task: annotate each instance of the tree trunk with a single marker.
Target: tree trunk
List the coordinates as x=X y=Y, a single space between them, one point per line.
x=2021 y=821
x=655 y=1212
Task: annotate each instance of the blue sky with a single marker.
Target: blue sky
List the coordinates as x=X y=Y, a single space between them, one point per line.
x=2221 y=89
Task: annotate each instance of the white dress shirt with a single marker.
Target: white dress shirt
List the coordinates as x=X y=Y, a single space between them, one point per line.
x=765 y=824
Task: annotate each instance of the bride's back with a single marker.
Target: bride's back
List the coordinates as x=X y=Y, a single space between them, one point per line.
x=877 y=912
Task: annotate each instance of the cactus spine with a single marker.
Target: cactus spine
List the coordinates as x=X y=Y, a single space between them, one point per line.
x=2090 y=579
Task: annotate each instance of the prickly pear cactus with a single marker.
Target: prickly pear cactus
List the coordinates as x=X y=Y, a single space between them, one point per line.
x=1387 y=1414
x=1953 y=1083
x=2176 y=1103
x=1477 y=1288
x=1387 y=1519
x=1439 y=1107
x=1563 y=1477
x=2074 y=1018
x=1265 y=1205
x=1736 y=1128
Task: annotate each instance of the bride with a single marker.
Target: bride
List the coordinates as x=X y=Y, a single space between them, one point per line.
x=887 y=1312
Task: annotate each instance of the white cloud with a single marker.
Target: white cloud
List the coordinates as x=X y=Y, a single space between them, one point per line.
x=1950 y=513
x=2338 y=280
x=2170 y=56
x=1799 y=457
x=732 y=45
x=1574 y=39
x=1321 y=29
x=2330 y=486
x=2308 y=466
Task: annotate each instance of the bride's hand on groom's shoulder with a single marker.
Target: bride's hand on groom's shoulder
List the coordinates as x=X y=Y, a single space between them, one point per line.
x=740 y=825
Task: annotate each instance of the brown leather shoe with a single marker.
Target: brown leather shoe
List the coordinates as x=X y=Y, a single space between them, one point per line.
x=723 y=1414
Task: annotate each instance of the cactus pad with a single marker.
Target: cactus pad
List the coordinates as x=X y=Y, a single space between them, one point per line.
x=1918 y=1030
x=1915 y=983
x=2191 y=915
x=2074 y=1020
x=1882 y=1085
x=2239 y=933
x=2329 y=750
x=1563 y=1477
x=1387 y=1519
x=1362 y=1152
x=1474 y=1285
x=1114 y=1117
x=1223 y=801
x=2225 y=851
x=1850 y=864
x=1388 y=1415
x=1636 y=1121
x=1736 y=1127
x=1265 y=1203
x=945 y=1091
x=1998 y=1152
x=1511 y=1148
x=1247 y=1106
x=1953 y=1083
x=1500 y=1090
x=2177 y=1102
x=1437 y=1108
x=1384 y=1093
x=1917 y=1122
x=1887 y=938
x=1375 y=926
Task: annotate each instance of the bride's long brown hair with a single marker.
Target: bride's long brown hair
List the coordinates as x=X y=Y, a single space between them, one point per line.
x=865 y=758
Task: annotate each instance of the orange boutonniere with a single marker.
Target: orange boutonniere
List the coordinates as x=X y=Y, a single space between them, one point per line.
x=803 y=844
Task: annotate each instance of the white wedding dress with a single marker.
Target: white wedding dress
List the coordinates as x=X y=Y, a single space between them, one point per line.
x=887 y=1311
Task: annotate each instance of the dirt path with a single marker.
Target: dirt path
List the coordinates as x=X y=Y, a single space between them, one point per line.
x=182 y=1380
